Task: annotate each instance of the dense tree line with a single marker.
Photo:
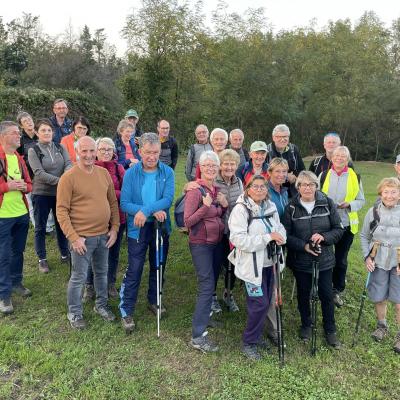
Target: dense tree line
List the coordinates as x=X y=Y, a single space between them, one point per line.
x=233 y=73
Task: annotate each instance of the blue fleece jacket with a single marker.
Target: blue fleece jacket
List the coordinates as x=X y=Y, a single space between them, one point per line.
x=131 y=195
x=120 y=149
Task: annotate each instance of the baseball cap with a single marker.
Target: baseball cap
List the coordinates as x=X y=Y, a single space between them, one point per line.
x=258 y=145
x=131 y=113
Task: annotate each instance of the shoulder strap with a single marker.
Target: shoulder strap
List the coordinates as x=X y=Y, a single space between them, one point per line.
x=375 y=222
x=193 y=154
x=38 y=152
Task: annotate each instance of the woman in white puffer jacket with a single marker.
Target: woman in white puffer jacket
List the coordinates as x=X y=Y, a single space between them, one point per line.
x=253 y=224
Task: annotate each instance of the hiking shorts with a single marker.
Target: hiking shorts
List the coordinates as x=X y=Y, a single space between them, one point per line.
x=384 y=285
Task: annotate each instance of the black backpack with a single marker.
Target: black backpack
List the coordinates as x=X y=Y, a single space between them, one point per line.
x=180 y=208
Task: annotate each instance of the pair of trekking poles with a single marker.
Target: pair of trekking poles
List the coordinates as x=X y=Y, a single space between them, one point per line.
x=159 y=266
x=276 y=254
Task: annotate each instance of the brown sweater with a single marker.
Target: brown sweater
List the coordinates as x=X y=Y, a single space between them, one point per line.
x=86 y=203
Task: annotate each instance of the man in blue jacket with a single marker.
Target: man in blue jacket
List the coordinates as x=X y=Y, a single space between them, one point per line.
x=146 y=196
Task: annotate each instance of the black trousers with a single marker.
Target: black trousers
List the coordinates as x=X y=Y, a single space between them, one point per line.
x=325 y=294
x=342 y=248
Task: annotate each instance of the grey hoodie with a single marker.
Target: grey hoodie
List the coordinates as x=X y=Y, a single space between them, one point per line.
x=48 y=171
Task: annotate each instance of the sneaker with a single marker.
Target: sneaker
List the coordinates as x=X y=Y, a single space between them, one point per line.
x=251 y=352
x=332 y=340
x=380 y=332
x=43 y=266
x=64 y=259
x=76 y=321
x=128 y=324
x=396 y=346
x=112 y=291
x=337 y=300
x=22 y=291
x=105 y=313
x=230 y=304
x=88 y=293
x=153 y=309
x=204 y=344
x=305 y=333
x=215 y=306
x=6 y=306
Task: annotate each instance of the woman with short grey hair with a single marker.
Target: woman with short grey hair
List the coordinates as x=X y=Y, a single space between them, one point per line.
x=125 y=146
x=203 y=216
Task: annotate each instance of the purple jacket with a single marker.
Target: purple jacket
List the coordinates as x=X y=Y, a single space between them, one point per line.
x=205 y=224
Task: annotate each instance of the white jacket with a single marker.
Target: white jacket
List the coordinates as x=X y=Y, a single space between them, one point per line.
x=253 y=239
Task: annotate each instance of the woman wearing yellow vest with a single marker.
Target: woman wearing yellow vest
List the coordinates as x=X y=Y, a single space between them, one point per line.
x=344 y=187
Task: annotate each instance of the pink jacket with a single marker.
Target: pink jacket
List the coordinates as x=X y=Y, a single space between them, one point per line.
x=205 y=224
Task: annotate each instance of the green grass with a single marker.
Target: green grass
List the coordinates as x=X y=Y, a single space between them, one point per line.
x=42 y=358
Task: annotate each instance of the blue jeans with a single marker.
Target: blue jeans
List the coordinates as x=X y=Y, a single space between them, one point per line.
x=137 y=249
x=207 y=260
x=41 y=209
x=113 y=259
x=97 y=255
x=13 y=234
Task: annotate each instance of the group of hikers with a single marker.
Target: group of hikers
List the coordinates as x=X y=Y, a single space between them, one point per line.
x=248 y=214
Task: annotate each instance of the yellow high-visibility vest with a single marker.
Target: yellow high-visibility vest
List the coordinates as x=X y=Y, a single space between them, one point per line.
x=352 y=190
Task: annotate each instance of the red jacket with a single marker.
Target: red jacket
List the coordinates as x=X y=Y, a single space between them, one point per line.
x=4 y=172
x=117 y=173
x=205 y=224
x=69 y=143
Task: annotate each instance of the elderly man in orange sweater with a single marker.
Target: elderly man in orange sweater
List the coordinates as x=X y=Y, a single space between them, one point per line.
x=87 y=211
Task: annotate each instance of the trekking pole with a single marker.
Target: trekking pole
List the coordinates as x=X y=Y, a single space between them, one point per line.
x=161 y=261
x=228 y=292
x=275 y=249
x=314 y=303
x=293 y=289
x=372 y=254
x=158 y=281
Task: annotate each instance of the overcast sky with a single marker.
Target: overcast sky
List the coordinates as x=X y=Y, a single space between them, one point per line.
x=55 y=16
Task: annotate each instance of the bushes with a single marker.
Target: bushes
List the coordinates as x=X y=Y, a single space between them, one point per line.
x=38 y=103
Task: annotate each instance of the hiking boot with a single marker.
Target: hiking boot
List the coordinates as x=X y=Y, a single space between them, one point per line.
x=380 y=332
x=396 y=346
x=215 y=306
x=251 y=352
x=76 y=321
x=88 y=293
x=332 y=340
x=153 y=309
x=230 y=303
x=128 y=324
x=305 y=333
x=105 y=313
x=43 y=266
x=112 y=291
x=204 y=344
x=337 y=300
x=6 y=306
x=65 y=259
x=22 y=291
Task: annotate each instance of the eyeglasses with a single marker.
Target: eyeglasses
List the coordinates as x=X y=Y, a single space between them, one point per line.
x=282 y=137
x=81 y=128
x=104 y=151
x=258 y=187
x=308 y=185
x=210 y=166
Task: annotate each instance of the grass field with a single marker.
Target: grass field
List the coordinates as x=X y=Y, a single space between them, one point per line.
x=42 y=358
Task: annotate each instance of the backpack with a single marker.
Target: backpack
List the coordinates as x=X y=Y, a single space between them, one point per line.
x=39 y=153
x=180 y=208
x=251 y=217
